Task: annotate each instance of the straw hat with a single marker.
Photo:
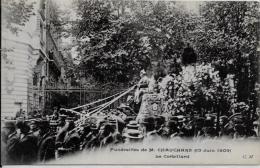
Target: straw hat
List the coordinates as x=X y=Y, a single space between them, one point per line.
x=160 y=119
x=199 y=121
x=133 y=134
x=44 y=124
x=132 y=125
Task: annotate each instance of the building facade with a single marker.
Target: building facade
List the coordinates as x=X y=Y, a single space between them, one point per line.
x=30 y=62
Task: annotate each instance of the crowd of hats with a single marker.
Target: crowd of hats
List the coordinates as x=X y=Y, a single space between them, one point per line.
x=111 y=128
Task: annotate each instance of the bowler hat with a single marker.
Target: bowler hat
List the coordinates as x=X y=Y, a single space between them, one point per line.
x=44 y=124
x=210 y=131
x=239 y=127
x=19 y=123
x=148 y=120
x=208 y=123
x=172 y=123
x=238 y=120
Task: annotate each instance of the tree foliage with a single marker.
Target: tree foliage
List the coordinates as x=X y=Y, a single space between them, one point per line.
x=16 y=13
x=119 y=38
x=229 y=37
x=116 y=39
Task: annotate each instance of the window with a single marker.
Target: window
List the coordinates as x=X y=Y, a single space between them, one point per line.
x=34 y=100
x=41 y=81
x=41 y=33
x=35 y=79
x=40 y=102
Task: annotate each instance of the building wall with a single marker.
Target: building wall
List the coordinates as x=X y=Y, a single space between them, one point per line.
x=25 y=69
x=15 y=75
x=18 y=65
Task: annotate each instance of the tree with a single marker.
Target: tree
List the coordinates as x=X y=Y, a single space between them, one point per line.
x=229 y=36
x=16 y=14
x=108 y=44
x=118 y=39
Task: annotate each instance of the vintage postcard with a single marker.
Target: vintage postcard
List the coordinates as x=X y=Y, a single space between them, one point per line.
x=130 y=82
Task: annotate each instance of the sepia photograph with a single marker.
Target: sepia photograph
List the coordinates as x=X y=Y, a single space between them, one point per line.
x=130 y=82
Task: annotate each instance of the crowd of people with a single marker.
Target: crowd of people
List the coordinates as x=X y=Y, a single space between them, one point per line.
x=52 y=137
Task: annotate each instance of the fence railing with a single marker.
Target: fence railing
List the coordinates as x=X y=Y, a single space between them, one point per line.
x=76 y=96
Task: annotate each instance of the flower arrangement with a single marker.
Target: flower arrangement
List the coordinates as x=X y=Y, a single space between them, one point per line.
x=198 y=89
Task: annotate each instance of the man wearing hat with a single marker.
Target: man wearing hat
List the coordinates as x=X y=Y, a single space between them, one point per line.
x=62 y=121
x=86 y=135
x=171 y=129
x=208 y=127
x=72 y=138
x=229 y=128
x=10 y=138
x=151 y=133
x=126 y=109
x=223 y=120
x=159 y=122
x=91 y=138
x=130 y=101
x=210 y=132
x=106 y=135
x=27 y=145
x=118 y=127
x=46 y=142
x=239 y=131
x=199 y=123
x=100 y=131
x=61 y=135
x=34 y=129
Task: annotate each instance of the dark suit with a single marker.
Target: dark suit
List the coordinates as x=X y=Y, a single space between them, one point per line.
x=89 y=141
x=60 y=136
x=46 y=147
x=72 y=141
x=12 y=149
x=27 y=149
x=106 y=141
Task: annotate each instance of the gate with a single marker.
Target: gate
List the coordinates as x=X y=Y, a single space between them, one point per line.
x=76 y=96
